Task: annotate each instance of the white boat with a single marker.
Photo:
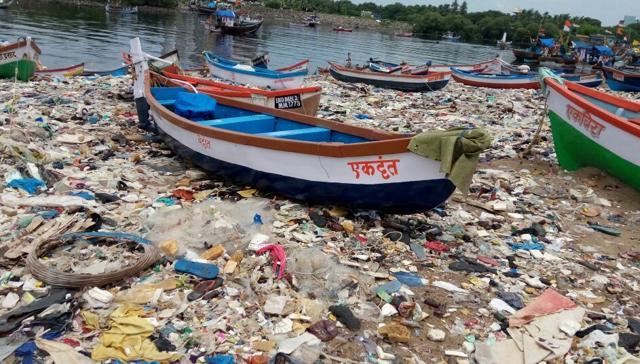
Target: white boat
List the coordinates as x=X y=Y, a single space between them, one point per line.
x=229 y=70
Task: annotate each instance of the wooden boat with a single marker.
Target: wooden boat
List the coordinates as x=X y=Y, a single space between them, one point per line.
x=204 y=9
x=341 y=29
x=304 y=100
x=384 y=67
x=19 y=59
x=294 y=155
x=121 y=9
x=558 y=59
x=292 y=77
x=65 y=72
x=117 y=72
x=404 y=34
x=172 y=57
x=5 y=4
x=241 y=27
x=449 y=37
x=525 y=54
x=509 y=77
x=621 y=79
x=311 y=21
x=592 y=128
x=428 y=67
x=403 y=82
x=492 y=80
x=592 y=80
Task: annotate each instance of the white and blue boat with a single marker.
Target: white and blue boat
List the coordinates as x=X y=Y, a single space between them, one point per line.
x=230 y=70
x=621 y=79
x=297 y=156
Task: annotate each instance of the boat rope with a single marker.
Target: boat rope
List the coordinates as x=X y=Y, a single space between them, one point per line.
x=536 y=136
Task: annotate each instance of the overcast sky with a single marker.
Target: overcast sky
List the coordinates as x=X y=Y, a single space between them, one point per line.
x=607 y=11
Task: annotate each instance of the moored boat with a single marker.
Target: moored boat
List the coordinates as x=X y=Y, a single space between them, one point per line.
x=621 y=79
x=592 y=128
x=526 y=55
x=508 y=76
x=120 y=9
x=404 y=34
x=404 y=82
x=493 y=80
x=257 y=76
x=294 y=155
x=19 y=59
x=427 y=67
x=64 y=72
x=342 y=29
x=5 y=4
x=449 y=37
x=304 y=100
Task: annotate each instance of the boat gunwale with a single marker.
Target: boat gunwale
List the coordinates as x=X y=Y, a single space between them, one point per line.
x=19 y=44
x=380 y=142
x=625 y=73
x=212 y=60
x=53 y=70
x=572 y=91
x=488 y=76
x=196 y=81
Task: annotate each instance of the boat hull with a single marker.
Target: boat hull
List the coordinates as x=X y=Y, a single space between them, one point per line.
x=621 y=81
x=402 y=83
x=67 y=72
x=403 y=197
x=19 y=60
x=241 y=29
x=608 y=147
x=257 y=81
x=496 y=82
x=22 y=69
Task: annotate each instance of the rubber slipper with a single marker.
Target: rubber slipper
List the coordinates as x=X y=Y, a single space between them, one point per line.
x=14 y=318
x=204 y=288
x=202 y=270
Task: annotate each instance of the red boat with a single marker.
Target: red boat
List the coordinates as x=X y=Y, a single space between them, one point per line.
x=305 y=100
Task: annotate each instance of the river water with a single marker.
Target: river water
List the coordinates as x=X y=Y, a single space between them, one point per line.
x=70 y=34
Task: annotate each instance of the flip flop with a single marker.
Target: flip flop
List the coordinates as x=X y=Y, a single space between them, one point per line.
x=202 y=270
x=205 y=288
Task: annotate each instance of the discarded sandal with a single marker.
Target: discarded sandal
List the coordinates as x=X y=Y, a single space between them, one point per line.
x=202 y=270
x=204 y=288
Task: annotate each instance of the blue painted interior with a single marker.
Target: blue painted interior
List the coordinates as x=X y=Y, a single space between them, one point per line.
x=529 y=75
x=230 y=65
x=249 y=122
x=611 y=108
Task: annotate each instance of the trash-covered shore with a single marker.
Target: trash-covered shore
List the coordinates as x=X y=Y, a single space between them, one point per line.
x=161 y=262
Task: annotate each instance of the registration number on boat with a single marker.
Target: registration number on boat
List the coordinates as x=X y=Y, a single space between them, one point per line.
x=618 y=76
x=288 y=101
x=8 y=55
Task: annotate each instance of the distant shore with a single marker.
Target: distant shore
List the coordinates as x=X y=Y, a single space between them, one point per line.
x=289 y=15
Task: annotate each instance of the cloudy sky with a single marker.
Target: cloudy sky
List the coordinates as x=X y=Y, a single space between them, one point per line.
x=608 y=11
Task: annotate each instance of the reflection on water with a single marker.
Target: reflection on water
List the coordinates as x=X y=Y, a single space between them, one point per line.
x=69 y=34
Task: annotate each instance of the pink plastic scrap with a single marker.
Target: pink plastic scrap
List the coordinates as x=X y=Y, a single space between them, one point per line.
x=278 y=256
x=547 y=303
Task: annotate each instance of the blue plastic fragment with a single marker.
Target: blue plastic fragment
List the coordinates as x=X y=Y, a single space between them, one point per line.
x=49 y=214
x=106 y=234
x=526 y=246
x=363 y=116
x=220 y=359
x=83 y=194
x=257 y=219
x=30 y=185
x=389 y=287
x=202 y=270
x=28 y=349
x=410 y=279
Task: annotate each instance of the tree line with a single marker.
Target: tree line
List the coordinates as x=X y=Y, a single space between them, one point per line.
x=431 y=21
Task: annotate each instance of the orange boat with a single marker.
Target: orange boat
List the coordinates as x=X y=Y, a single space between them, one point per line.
x=305 y=100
